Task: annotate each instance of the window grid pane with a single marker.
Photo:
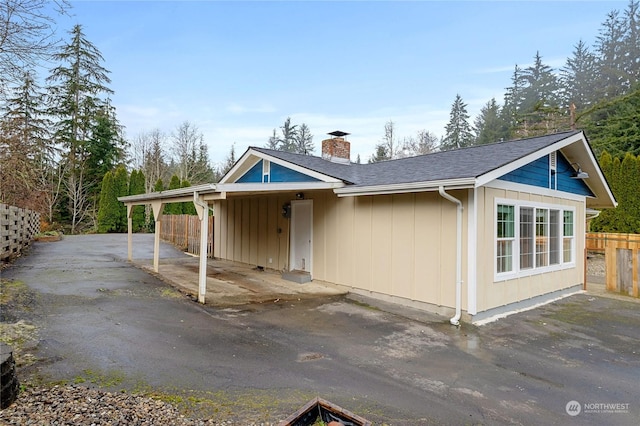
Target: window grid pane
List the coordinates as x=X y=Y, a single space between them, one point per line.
x=526 y=238
x=554 y=237
x=542 y=237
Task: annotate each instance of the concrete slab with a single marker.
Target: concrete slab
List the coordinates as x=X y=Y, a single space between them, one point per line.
x=232 y=283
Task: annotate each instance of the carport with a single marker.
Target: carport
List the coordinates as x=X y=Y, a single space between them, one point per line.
x=207 y=197
x=201 y=196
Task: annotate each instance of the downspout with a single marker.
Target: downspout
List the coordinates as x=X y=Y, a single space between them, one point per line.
x=456 y=319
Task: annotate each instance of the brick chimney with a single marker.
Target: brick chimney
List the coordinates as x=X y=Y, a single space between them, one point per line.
x=337 y=149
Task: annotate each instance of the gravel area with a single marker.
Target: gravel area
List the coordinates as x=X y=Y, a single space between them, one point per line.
x=595 y=265
x=77 y=405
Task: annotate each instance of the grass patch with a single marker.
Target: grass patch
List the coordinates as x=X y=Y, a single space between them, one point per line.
x=170 y=293
x=107 y=379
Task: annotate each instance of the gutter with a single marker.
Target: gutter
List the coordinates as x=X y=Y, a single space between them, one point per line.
x=456 y=319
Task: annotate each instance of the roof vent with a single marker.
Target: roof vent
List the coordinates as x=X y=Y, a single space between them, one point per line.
x=337 y=149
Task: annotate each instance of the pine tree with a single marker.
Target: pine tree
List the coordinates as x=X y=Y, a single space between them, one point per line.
x=381 y=154
x=610 y=60
x=631 y=41
x=458 y=130
x=27 y=156
x=577 y=78
x=304 y=140
x=489 y=126
x=539 y=111
x=77 y=91
x=289 y=134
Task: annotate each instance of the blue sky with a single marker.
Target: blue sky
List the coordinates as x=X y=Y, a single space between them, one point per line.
x=237 y=70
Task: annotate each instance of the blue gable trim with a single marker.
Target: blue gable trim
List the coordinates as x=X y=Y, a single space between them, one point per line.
x=254 y=175
x=537 y=173
x=566 y=183
x=277 y=173
x=283 y=174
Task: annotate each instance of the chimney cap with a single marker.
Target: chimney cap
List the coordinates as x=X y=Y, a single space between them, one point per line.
x=338 y=133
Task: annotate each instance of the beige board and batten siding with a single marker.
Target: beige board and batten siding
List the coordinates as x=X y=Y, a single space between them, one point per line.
x=401 y=246
x=491 y=293
x=252 y=230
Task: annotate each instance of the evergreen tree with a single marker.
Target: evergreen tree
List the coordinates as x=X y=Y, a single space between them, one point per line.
x=631 y=41
x=458 y=130
x=174 y=208
x=489 y=126
x=624 y=180
x=78 y=86
x=539 y=111
x=27 y=156
x=381 y=154
x=272 y=143
x=159 y=186
x=188 y=207
x=611 y=79
x=304 y=140
x=136 y=186
x=121 y=189
x=614 y=126
x=577 y=78
x=109 y=209
x=512 y=102
x=289 y=134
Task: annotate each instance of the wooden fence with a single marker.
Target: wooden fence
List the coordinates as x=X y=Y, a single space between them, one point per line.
x=17 y=229
x=622 y=259
x=183 y=231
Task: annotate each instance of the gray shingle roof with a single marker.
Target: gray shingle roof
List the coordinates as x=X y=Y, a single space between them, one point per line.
x=469 y=162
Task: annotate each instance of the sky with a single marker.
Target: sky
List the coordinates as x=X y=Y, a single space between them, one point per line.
x=237 y=70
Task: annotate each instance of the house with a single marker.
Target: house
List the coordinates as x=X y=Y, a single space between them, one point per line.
x=473 y=232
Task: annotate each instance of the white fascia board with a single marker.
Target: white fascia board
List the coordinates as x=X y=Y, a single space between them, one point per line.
x=277 y=187
x=530 y=189
x=401 y=188
x=169 y=194
x=245 y=162
x=299 y=169
x=507 y=168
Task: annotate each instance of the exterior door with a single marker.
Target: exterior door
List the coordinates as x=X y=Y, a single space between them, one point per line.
x=301 y=235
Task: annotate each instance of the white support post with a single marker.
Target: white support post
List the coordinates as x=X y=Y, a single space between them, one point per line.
x=157 y=214
x=202 y=209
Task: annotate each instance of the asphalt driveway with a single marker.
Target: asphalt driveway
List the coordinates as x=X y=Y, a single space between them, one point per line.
x=105 y=322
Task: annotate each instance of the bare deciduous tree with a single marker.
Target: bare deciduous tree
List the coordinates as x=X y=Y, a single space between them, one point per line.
x=27 y=35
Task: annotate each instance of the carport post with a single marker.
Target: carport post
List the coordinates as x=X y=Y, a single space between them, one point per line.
x=157 y=215
x=202 y=208
x=129 y=232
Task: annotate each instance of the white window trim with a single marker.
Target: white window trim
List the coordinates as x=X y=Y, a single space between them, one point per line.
x=516 y=272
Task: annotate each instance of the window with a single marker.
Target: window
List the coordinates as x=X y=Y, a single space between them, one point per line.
x=505 y=237
x=532 y=238
x=567 y=239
